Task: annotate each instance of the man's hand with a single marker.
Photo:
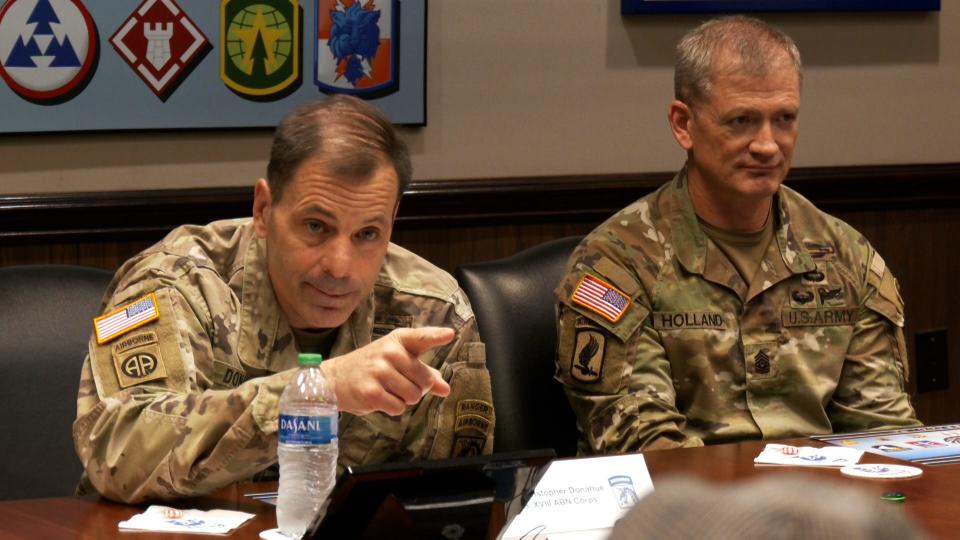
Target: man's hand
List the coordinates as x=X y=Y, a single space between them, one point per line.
x=387 y=375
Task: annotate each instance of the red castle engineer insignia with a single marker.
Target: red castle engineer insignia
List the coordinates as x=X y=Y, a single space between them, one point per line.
x=161 y=44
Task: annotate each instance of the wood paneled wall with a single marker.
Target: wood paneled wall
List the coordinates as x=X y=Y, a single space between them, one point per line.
x=911 y=214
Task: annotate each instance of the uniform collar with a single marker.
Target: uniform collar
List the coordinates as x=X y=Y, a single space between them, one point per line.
x=357 y=331
x=266 y=341
x=699 y=256
x=261 y=320
x=795 y=256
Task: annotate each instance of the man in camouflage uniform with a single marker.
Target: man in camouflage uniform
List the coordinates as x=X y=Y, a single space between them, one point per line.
x=200 y=333
x=725 y=306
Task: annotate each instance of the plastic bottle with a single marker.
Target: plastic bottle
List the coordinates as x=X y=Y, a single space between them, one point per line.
x=307 y=448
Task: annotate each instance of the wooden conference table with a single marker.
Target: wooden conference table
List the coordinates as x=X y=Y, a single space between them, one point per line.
x=931 y=498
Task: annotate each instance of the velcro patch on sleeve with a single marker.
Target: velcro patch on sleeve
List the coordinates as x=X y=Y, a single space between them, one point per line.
x=141 y=311
x=877 y=266
x=600 y=297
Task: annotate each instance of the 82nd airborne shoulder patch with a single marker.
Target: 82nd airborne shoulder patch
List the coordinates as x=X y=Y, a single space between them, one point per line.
x=137 y=359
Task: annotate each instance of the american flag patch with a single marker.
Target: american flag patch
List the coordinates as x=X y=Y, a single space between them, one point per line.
x=126 y=318
x=599 y=296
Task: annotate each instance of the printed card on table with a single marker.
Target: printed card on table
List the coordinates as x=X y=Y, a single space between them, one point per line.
x=807 y=456
x=582 y=498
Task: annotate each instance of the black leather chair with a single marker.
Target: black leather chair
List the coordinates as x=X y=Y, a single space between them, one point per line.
x=45 y=320
x=515 y=308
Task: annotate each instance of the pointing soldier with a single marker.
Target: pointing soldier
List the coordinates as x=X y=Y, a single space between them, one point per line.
x=200 y=333
x=724 y=306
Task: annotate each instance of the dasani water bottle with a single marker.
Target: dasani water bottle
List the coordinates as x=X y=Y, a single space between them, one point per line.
x=307 y=448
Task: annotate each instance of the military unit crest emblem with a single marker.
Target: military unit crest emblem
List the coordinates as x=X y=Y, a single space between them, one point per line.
x=260 y=46
x=161 y=44
x=48 y=48
x=357 y=46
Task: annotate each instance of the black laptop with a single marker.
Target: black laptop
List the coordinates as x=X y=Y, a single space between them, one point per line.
x=449 y=499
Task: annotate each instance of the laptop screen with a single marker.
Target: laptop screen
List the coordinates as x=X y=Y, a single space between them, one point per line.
x=459 y=498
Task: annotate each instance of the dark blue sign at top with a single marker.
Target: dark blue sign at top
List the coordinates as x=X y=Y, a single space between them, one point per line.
x=629 y=7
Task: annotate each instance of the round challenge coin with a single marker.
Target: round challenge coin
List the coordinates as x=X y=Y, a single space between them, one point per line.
x=881 y=470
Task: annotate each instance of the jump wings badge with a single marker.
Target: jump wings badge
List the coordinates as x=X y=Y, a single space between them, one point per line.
x=260 y=47
x=357 y=44
x=161 y=44
x=48 y=48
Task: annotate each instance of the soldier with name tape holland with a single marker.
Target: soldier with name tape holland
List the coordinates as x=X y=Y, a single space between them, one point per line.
x=199 y=333
x=724 y=306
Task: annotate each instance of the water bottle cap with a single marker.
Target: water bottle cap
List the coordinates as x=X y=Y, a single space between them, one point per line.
x=310 y=359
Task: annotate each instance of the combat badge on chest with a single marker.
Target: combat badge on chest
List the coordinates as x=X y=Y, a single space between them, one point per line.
x=472 y=425
x=383 y=325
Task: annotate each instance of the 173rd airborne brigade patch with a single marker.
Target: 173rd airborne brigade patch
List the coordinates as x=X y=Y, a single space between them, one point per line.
x=588 y=351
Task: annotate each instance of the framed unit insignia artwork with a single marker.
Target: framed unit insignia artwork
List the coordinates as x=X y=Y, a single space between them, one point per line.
x=88 y=65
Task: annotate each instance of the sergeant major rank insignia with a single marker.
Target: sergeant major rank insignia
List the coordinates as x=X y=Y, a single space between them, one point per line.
x=48 y=48
x=260 y=47
x=356 y=48
x=161 y=44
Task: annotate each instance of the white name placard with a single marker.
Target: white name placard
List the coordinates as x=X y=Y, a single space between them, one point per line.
x=581 y=498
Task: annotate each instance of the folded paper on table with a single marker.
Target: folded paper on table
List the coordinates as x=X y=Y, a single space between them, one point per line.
x=807 y=456
x=167 y=519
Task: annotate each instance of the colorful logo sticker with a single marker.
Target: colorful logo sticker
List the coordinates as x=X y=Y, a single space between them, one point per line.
x=161 y=44
x=260 y=46
x=47 y=48
x=357 y=42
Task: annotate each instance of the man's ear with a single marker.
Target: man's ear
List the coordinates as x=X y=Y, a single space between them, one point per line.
x=262 y=205
x=680 y=116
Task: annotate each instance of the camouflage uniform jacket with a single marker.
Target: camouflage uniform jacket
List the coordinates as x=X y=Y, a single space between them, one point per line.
x=187 y=403
x=696 y=355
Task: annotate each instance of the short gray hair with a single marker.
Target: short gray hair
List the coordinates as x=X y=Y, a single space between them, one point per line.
x=756 y=44
x=354 y=136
